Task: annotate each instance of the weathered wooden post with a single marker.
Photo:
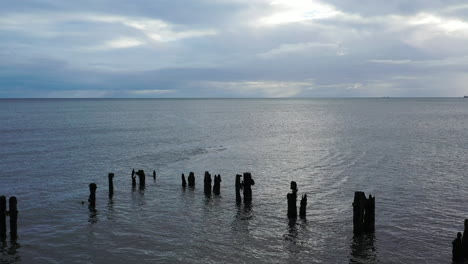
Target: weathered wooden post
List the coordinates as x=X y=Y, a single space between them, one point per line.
x=363 y=213
x=2 y=217
x=238 y=188
x=142 y=178
x=154 y=175
x=133 y=178
x=111 y=184
x=292 y=198
x=191 y=179
x=13 y=203
x=184 y=183
x=465 y=240
x=302 y=209
x=217 y=185
x=457 y=248
x=92 y=196
x=248 y=182
x=207 y=182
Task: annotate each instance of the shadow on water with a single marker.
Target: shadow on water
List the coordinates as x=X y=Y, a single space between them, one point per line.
x=363 y=249
x=9 y=252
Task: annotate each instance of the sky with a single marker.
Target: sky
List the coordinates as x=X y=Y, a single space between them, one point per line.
x=233 y=48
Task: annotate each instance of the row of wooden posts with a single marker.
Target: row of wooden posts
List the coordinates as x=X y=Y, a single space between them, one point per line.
x=363 y=208
x=13 y=213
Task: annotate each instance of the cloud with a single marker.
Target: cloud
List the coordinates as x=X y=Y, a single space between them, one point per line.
x=260 y=88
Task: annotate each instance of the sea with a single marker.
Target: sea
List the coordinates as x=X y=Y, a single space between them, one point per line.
x=410 y=153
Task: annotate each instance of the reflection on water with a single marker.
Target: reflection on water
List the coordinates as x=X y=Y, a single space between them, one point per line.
x=363 y=249
x=9 y=252
x=242 y=218
x=93 y=216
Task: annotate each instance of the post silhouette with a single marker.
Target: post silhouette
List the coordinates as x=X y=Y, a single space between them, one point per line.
x=238 y=188
x=191 y=179
x=292 y=198
x=3 y=217
x=302 y=209
x=92 y=196
x=363 y=213
x=184 y=183
x=133 y=178
x=154 y=175
x=248 y=182
x=465 y=240
x=207 y=183
x=141 y=178
x=217 y=185
x=111 y=184
x=13 y=217
x=457 y=249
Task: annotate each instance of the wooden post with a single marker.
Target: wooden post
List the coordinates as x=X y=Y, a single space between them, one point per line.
x=217 y=185
x=2 y=217
x=302 y=209
x=142 y=178
x=184 y=183
x=238 y=188
x=248 y=182
x=133 y=178
x=207 y=182
x=92 y=196
x=191 y=179
x=292 y=198
x=13 y=217
x=111 y=184
x=154 y=175
x=465 y=240
x=457 y=248
x=363 y=213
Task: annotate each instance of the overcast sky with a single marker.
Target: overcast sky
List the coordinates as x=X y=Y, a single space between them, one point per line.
x=233 y=48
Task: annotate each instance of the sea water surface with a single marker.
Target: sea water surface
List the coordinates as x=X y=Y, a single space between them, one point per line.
x=412 y=154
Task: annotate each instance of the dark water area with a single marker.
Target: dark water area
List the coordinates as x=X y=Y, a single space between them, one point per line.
x=412 y=154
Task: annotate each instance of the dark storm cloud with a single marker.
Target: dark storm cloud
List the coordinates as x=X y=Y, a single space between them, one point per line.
x=233 y=48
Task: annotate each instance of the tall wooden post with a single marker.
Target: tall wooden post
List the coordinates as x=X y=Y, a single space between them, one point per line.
x=248 y=182
x=465 y=240
x=191 y=179
x=292 y=198
x=217 y=185
x=92 y=196
x=111 y=184
x=154 y=175
x=133 y=178
x=457 y=249
x=238 y=188
x=142 y=178
x=184 y=183
x=2 y=217
x=13 y=217
x=207 y=183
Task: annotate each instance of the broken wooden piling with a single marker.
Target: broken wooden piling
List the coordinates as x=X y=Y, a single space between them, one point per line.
x=248 y=182
x=292 y=198
x=465 y=240
x=92 y=196
x=207 y=183
x=184 y=183
x=191 y=179
x=238 y=188
x=2 y=217
x=363 y=213
x=154 y=175
x=111 y=184
x=133 y=178
x=141 y=179
x=13 y=209
x=302 y=209
x=217 y=185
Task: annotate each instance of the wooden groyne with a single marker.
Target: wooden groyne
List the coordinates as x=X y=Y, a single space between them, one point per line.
x=363 y=213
